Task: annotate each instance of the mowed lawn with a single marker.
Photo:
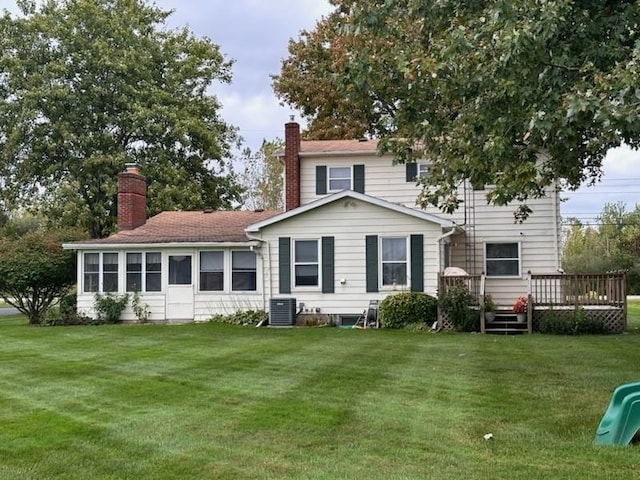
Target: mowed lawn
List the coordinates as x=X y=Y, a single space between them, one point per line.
x=215 y=401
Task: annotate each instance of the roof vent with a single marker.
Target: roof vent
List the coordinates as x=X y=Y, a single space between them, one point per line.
x=207 y=210
x=362 y=139
x=259 y=210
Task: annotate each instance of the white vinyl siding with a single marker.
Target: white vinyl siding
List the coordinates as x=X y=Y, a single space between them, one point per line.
x=349 y=221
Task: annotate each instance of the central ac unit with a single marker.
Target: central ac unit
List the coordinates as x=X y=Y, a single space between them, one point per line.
x=282 y=312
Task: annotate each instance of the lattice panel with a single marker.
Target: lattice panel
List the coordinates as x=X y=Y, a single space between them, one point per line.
x=612 y=318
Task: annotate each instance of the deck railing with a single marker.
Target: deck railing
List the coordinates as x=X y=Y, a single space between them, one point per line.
x=579 y=289
x=473 y=283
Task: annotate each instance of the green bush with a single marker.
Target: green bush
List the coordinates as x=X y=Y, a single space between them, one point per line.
x=402 y=309
x=109 y=307
x=242 y=317
x=571 y=323
x=456 y=303
x=56 y=318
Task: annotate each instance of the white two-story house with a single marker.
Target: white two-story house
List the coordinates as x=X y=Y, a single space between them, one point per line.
x=350 y=233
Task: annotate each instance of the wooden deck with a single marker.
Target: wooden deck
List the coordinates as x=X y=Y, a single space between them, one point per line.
x=601 y=296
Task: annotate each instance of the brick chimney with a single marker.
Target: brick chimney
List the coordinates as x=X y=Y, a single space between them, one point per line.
x=292 y=165
x=132 y=198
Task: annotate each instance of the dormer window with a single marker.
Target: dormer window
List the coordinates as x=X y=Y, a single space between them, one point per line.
x=339 y=178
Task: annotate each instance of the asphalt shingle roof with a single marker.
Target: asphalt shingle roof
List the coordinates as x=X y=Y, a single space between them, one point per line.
x=190 y=227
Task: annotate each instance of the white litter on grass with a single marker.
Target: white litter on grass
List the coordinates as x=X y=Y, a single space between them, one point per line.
x=488 y=436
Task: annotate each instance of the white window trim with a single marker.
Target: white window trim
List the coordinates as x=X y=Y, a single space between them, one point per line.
x=226 y=269
x=143 y=272
x=229 y=278
x=101 y=272
x=422 y=170
x=407 y=262
x=307 y=288
x=329 y=178
x=519 y=275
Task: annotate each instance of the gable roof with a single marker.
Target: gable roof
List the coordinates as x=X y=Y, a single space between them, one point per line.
x=428 y=217
x=186 y=227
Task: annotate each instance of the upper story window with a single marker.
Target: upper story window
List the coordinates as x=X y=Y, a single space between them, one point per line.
x=143 y=272
x=306 y=264
x=339 y=178
x=394 y=261
x=502 y=259
x=416 y=170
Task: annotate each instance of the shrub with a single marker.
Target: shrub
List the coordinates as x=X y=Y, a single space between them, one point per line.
x=456 y=304
x=402 y=309
x=242 y=317
x=140 y=310
x=109 y=307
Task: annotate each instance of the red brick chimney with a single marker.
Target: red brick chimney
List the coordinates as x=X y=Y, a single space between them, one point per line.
x=291 y=165
x=132 y=198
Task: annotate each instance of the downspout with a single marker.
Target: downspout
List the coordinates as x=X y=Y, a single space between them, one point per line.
x=556 y=243
x=444 y=236
x=257 y=239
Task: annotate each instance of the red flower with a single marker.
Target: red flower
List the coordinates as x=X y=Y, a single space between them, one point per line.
x=520 y=305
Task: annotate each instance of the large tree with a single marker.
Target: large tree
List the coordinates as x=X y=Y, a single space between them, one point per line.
x=89 y=85
x=35 y=271
x=517 y=94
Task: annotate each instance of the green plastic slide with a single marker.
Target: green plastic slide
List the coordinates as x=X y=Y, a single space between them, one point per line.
x=621 y=420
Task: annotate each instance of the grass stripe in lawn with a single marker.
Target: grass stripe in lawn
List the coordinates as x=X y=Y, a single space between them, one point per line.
x=218 y=401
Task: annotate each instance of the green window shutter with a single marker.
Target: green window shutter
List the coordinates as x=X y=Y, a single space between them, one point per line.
x=371 y=262
x=358 y=178
x=284 y=253
x=321 y=180
x=411 y=170
x=417 y=263
x=328 y=275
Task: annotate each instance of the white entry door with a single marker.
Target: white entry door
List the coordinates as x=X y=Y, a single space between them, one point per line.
x=180 y=288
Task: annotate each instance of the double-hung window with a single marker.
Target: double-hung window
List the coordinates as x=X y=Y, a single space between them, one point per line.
x=143 y=272
x=394 y=261
x=244 y=276
x=212 y=271
x=100 y=272
x=339 y=178
x=306 y=263
x=92 y=272
x=423 y=170
x=109 y=272
x=502 y=259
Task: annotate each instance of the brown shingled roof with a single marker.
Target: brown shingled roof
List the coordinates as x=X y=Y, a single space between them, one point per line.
x=328 y=146
x=187 y=227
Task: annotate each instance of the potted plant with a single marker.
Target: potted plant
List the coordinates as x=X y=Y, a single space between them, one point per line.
x=489 y=308
x=520 y=308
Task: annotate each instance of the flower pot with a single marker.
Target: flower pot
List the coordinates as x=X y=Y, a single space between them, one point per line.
x=522 y=317
x=489 y=316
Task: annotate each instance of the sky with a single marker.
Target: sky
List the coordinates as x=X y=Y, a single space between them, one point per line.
x=255 y=33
